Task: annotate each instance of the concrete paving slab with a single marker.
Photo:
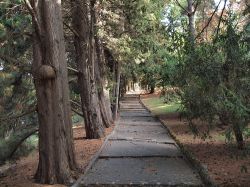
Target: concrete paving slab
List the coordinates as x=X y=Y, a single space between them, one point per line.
x=132 y=107
x=161 y=137
x=130 y=101
x=137 y=119
x=154 y=171
x=141 y=123
x=139 y=129
x=139 y=149
x=135 y=114
x=133 y=110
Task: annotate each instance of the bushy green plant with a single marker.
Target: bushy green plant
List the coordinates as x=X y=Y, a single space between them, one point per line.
x=215 y=83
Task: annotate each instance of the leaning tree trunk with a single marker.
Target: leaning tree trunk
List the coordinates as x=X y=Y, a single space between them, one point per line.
x=56 y=149
x=116 y=91
x=105 y=106
x=86 y=77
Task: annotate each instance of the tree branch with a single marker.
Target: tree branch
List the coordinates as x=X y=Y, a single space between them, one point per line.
x=71 y=29
x=72 y=69
x=74 y=110
x=196 y=6
x=11 y=144
x=182 y=7
x=30 y=133
x=78 y=113
x=25 y=67
x=75 y=103
x=221 y=15
x=19 y=115
x=9 y=59
x=210 y=19
x=35 y=19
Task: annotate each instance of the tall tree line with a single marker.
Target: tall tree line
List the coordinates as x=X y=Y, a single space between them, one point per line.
x=56 y=150
x=94 y=66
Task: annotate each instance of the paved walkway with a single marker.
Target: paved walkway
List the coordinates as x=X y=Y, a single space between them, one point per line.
x=140 y=152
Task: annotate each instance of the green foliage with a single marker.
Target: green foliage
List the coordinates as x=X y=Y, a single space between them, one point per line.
x=17 y=144
x=215 y=82
x=29 y=145
x=158 y=106
x=17 y=95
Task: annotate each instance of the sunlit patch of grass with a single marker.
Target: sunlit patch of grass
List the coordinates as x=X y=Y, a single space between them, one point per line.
x=158 y=107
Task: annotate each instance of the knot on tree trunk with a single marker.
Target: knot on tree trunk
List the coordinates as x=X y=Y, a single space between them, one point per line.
x=46 y=72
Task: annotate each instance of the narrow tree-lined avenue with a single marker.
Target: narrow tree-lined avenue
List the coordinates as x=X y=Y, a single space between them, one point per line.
x=67 y=71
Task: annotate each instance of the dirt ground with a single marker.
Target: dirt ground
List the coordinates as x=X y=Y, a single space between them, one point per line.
x=21 y=175
x=226 y=165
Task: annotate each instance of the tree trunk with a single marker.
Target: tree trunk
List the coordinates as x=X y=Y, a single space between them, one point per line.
x=105 y=106
x=117 y=89
x=191 y=21
x=122 y=86
x=238 y=136
x=56 y=149
x=152 y=89
x=84 y=46
x=128 y=87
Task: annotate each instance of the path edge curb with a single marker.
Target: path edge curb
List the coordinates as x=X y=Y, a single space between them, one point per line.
x=202 y=171
x=95 y=157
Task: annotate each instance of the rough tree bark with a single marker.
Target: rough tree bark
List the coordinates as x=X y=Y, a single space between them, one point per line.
x=85 y=59
x=56 y=149
x=116 y=89
x=105 y=106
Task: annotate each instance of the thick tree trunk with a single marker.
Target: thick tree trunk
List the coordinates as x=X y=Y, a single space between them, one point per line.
x=117 y=89
x=84 y=46
x=56 y=149
x=105 y=106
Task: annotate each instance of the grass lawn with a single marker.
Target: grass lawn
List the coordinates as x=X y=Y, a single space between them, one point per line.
x=158 y=107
